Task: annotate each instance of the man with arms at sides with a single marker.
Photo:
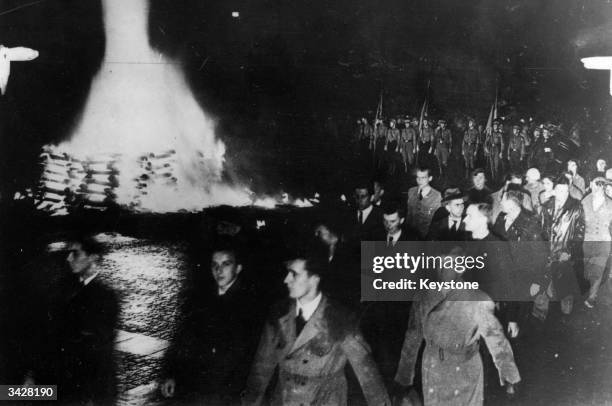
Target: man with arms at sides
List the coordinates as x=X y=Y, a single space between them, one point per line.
x=450 y=227
x=423 y=201
x=497 y=280
x=597 y=236
x=310 y=338
x=365 y=218
x=207 y=361
x=563 y=226
x=83 y=329
x=451 y=322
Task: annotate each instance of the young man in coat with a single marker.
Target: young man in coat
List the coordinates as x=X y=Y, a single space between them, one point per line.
x=310 y=338
x=83 y=329
x=208 y=358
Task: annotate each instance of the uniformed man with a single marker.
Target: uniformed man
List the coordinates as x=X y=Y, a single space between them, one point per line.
x=516 y=149
x=391 y=147
x=443 y=144
x=407 y=143
x=471 y=143
x=426 y=137
x=380 y=143
x=310 y=338
x=494 y=145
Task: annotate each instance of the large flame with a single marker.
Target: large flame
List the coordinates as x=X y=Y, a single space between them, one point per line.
x=142 y=123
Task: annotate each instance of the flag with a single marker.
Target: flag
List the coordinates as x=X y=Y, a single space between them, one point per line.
x=492 y=116
x=379 y=109
x=424 y=114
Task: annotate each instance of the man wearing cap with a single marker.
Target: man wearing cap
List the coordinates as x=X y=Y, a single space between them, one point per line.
x=423 y=201
x=426 y=137
x=451 y=227
x=407 y=143
x=442 y=144
x=471 y=143
x=309 y=339
x=494 y=145
x=516 y=149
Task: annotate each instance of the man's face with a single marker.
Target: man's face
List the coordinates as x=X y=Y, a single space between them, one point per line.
x=495 y=126
x=224 y=268
x=515 y=131
x=479 y=180
x=572 y=167
x=515 y=180
x=474 y=219
x=507 y=205
x=378 y=190
x=425 y=124
x=609 y=191
x=325 y=235
x=443 y=125
x=298 y=281
x=471 y=125
x=601 y=165
x=561 y=191
x=78 y=260
x=546 y=134
x=422 y=178
x=455 y=207
x=548 y=184
x=393 y=222
x=362 y=199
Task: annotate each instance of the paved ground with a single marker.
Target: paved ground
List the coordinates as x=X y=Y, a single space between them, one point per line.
x=563 y=362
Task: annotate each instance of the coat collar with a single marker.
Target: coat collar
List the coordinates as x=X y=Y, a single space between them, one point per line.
x=313 y=327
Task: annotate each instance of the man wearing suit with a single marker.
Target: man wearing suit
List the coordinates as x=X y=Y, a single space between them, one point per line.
x=207 y=360
x=450 y=227
x=515 y=224
x=310 y=338
x=83 y=325
x=423 y=201
x=393 y=223
x=367 y=219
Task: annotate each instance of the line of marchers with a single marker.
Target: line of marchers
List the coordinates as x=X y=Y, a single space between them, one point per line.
x=424 y=284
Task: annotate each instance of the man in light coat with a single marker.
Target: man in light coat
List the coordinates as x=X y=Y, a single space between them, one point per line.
x=310 y=338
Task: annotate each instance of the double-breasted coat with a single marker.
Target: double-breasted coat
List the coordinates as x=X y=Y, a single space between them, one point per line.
x=311 y=365
x=451 y=326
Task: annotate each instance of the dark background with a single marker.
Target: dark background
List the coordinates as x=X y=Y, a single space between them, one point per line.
x=274 y=75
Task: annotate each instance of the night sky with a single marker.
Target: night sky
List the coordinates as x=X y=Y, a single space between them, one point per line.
x=303 y=59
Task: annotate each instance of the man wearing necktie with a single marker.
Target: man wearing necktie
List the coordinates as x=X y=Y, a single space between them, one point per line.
x=310 y=338
x=423 y=201
x=368 y=218
x=451 y=226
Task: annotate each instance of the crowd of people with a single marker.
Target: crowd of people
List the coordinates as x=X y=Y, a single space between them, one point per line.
x=547 y=229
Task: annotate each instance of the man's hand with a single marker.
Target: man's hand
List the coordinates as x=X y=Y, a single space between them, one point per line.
x=168 y=387
x=564 y=257
x=513 y=329
x=430 y=150
x=534 y=289
x=500 y=155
